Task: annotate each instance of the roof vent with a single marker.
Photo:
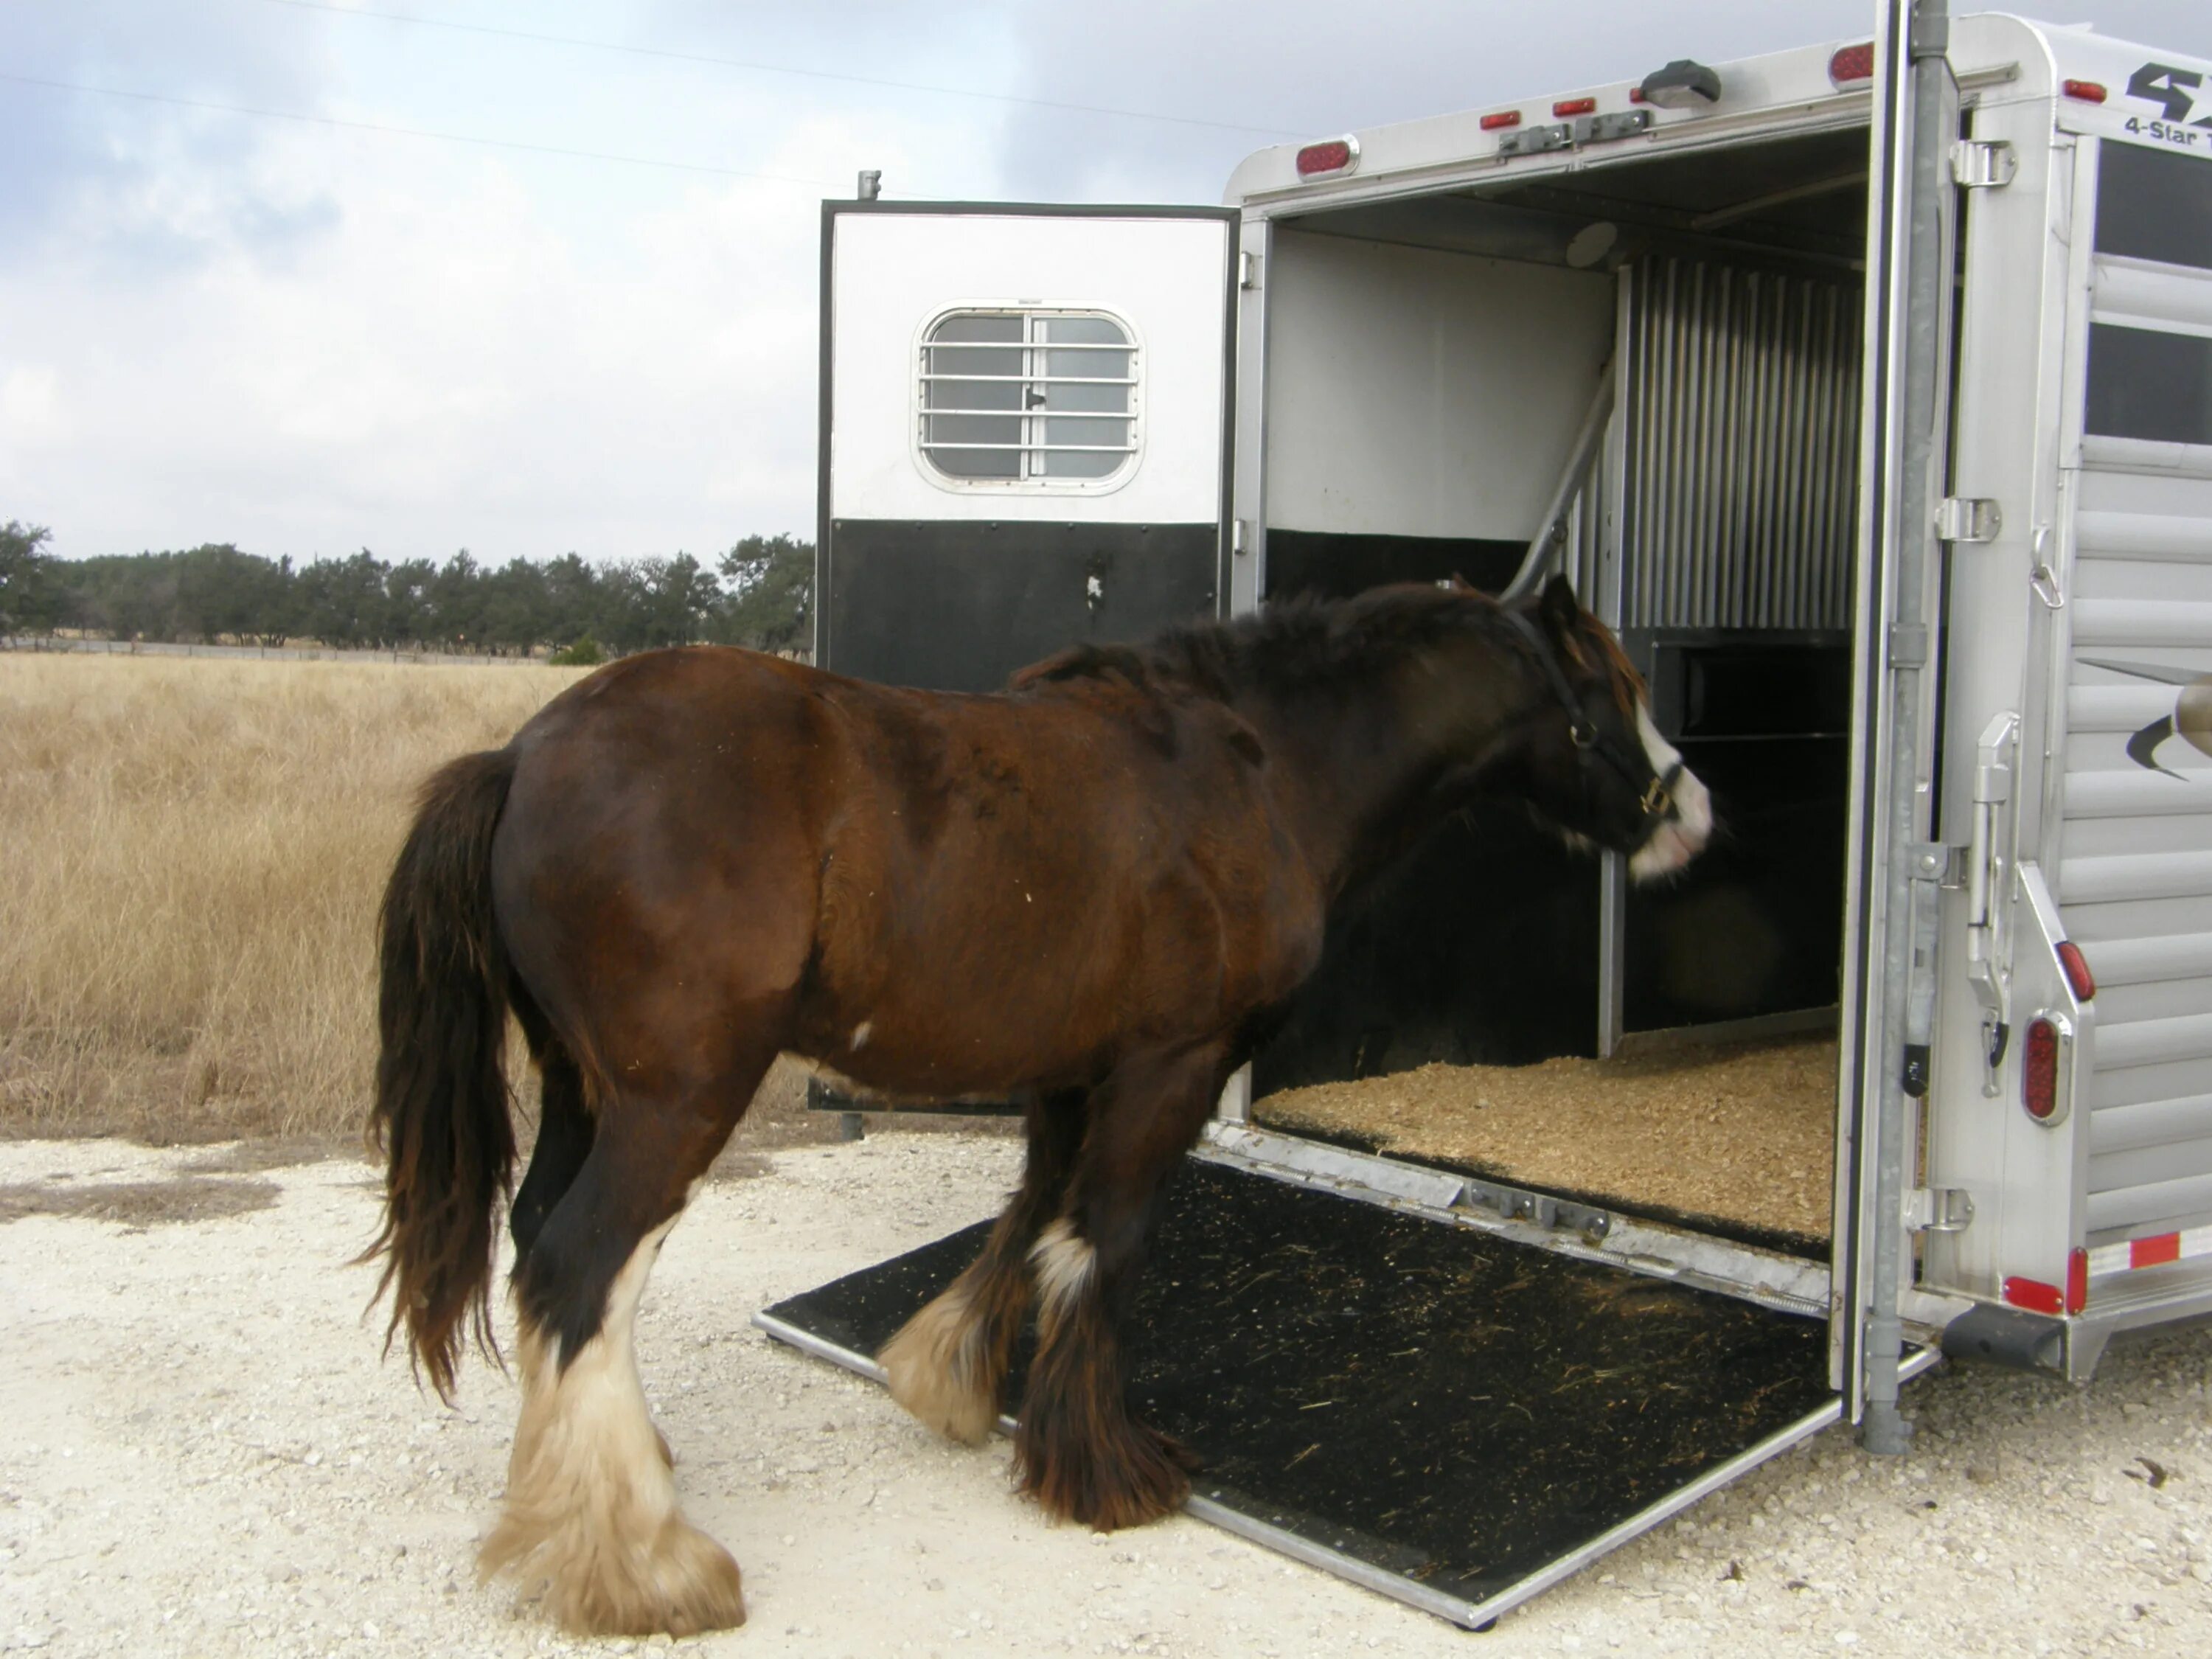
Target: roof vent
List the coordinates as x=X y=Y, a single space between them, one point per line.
x=1683 y=84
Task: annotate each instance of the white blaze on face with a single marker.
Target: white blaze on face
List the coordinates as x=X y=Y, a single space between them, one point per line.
x=1683 y=835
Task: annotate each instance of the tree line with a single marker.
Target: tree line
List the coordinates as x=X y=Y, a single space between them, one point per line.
x=759 y=593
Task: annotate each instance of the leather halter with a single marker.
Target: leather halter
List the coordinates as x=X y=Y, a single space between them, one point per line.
x=1658 y=794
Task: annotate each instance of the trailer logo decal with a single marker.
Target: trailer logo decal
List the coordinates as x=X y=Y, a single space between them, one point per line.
x=2191 y=720
x=2175 y=89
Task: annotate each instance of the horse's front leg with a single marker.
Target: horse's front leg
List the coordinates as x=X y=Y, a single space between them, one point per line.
x=946 y=1364
x=1078 y=1450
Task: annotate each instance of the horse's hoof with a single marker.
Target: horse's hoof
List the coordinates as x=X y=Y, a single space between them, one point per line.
x=934 y=1368
x=1127 y=1478
x=683 y=1582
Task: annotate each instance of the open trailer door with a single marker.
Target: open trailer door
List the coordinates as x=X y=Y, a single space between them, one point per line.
x=1024 y=420
x=1892 y=870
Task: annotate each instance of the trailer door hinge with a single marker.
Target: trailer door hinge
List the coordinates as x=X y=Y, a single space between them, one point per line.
x=1620 y=124
x=1248 y=269
x=1968 y=518
x=1938 y=1210
x=1237 y=545
x=1982 y=163
x=1908 y=645
x=1536 y=141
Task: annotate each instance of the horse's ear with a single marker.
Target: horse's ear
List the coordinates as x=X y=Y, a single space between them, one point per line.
x=1558 y=607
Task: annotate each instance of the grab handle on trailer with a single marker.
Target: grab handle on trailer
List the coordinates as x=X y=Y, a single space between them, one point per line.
x=1985 y=871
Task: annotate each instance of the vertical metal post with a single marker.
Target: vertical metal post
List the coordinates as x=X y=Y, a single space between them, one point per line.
x=1907 y=930
x=1607 y=597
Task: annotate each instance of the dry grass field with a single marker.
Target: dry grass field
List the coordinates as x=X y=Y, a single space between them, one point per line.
x=194 y=851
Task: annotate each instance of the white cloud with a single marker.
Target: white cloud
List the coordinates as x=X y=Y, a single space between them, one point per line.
x=468 y=355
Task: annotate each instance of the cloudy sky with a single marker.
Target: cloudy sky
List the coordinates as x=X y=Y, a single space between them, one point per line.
x=313 y=275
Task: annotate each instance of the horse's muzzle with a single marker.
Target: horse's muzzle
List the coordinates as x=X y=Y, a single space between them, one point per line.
x=1679 y=836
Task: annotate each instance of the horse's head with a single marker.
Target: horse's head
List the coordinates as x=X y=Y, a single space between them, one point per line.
x=1596 y=766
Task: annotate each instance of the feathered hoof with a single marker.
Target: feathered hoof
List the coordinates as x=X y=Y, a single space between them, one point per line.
x=597 y=1584
x=1124 y=1477
x=933 y=1368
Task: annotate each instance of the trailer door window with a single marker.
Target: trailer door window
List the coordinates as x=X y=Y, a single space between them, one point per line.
x=1028 y=396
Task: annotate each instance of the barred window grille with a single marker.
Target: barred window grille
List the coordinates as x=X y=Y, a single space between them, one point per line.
x=1013 y=397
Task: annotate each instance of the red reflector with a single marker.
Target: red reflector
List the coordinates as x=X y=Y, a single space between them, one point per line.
x=1575 y=106
x=1636 y=95
x=2039 y=1070
x=2077 y=1281
x=1505 y=117
x=1334 y=156
x=2154 y=1252
x=2082 y=982
x=2033 y=1295
x=2089 y=92
x=1852 y=63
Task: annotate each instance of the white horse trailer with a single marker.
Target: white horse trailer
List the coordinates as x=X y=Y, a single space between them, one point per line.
x=1867 y=390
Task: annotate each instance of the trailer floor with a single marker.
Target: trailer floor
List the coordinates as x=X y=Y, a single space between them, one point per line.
x=1448 y=1413
x=1737 y=1138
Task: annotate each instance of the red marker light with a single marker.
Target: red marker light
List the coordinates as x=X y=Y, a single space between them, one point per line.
x=1575 y=106
x=2038 y=1069
x=1505 y=117
x=2077 y=1281
x=2079 y=979
x=1852 y=64
x=1336 y=155
x=2089 y=92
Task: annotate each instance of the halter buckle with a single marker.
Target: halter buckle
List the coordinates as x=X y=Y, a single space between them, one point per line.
x=1657 y=800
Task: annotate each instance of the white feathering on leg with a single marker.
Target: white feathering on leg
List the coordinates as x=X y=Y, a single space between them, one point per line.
x=1066 y=1265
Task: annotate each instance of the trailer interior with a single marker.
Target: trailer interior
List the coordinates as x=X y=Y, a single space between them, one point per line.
x=1500 y=1005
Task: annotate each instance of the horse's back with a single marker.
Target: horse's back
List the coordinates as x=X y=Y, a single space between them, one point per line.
x=1002 y=883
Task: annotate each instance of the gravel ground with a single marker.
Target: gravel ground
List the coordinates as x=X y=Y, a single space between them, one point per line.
x=204 y=1454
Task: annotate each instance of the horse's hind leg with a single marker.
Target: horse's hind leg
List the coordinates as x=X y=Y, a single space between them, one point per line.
x=564 y=1140
x=590 y=1507
x=1078 y=1450
x=946 y=1363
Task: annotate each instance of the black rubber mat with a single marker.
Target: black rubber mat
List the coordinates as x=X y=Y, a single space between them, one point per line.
x=1437 y=1403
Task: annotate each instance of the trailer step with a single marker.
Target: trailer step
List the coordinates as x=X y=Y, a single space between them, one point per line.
x=1442 y=1415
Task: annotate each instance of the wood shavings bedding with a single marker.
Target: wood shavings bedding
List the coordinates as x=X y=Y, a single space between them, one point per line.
x=1744 y=1134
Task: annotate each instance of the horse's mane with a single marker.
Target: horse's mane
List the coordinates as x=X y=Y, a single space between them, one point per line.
x=1628 y=687
x=1304 y=641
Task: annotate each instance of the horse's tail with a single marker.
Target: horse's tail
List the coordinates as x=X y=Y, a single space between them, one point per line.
x=440 y=1114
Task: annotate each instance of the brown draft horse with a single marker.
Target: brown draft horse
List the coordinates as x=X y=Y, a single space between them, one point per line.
x=1089 y=891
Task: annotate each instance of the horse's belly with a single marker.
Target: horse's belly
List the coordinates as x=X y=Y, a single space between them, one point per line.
x=974 y=1016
